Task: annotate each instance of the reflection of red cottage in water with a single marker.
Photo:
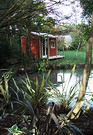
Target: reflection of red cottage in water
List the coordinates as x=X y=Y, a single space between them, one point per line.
x=43 y=45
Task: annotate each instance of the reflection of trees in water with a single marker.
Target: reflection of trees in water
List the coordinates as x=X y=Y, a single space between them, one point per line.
x=57 y=75
x=53 y=76
x=78 y=74
x=76 y=78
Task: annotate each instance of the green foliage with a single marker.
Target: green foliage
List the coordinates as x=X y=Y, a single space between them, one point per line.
x=35 y=127
x=71 y=129
x=14 y=130
x=62 y=119
x=52 y=116
x=87 y=6
x=60 y=48
x=65 y=29
x=65 y=128
x=15 y=47
x=67 y=45
x=10 y=45
x=45 y=25
x=4 y=87
x=42 y=65
x=78 y=42
x=33 y=91
x=70 y=57
x=84 y=31
x=13 y=26
x=18 y=11
x=4 y=49
x=5 y=94
x=80 y=36
x=67 y=95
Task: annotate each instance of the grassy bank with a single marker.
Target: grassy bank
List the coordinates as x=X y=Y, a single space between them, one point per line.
x=70 y=57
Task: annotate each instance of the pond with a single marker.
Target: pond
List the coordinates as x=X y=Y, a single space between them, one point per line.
x=61 y=79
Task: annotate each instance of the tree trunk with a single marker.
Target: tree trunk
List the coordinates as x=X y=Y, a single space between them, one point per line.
x=63 y=40
x=76 y=112
x=77 y=50
x=29 y=56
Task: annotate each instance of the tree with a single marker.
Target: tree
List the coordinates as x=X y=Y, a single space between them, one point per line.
x=85 y=30
x=65 y=29
x=28 y=14
x=12 y=16
x=45 y=24
x=88 y=10
x=17 y=11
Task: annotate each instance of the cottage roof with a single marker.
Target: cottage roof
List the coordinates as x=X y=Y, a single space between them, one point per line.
x=44 y=34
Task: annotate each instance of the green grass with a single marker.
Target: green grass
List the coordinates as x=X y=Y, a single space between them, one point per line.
x=70 y=57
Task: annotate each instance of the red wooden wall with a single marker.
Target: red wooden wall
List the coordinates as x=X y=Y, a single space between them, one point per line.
x=34 y=45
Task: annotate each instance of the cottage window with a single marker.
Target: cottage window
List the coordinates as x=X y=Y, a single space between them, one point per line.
x=52 y=44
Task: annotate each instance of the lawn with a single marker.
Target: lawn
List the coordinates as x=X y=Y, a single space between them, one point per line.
x=70 y=57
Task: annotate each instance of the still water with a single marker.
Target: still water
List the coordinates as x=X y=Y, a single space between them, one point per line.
x=61 y=78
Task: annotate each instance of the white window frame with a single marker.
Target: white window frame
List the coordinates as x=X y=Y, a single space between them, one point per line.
x=45 y=39
x=52 y=41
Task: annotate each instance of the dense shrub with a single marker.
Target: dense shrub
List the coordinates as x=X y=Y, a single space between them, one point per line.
x=78 y=42
x=9 y=48
x=67 y=46
x=4 y=50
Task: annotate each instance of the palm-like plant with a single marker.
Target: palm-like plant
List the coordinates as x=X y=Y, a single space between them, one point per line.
x=5 y=95
x=68 y=93
x=35 y=128
x=33 y=91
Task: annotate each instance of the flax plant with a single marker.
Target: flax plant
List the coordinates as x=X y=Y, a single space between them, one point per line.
x=5 y=94
x=36 y=129
x=33 y=91
x=67 y=94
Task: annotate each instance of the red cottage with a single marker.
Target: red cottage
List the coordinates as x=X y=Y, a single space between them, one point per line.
x=43 y=45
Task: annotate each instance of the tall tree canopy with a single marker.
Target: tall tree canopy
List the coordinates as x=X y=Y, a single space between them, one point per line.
x=16 y=16
x=13 y=12
x=87 y=6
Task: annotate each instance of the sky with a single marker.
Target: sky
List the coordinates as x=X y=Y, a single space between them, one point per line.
x=67 y=12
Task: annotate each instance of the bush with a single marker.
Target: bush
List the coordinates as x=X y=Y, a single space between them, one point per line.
x=4 y=50
x=35 y=126
x=67 y=46
x=9 y=48
x=67 y=95
x=78 y=41
x=5 y=94
x=15 y=51
x=33 y=91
